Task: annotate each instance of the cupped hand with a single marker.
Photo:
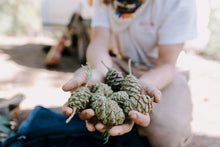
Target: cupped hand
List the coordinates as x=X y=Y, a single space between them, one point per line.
x=79 y=79
x=86 y=115
x=152 y=92
x=134 y=117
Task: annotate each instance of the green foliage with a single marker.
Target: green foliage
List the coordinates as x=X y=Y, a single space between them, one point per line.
x=19 y=17
x=5 y=128
x=213 y=48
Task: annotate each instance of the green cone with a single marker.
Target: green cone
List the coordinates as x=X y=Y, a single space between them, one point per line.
x=102 y=88
x=79 y=98
x=107 y=110
x=136 y=101
x=114 y=78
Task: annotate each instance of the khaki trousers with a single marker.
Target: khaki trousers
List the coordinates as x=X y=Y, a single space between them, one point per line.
x=171 y=118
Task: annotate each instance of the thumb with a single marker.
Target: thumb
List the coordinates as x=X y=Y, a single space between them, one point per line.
x=139 y=118
x=74 y=83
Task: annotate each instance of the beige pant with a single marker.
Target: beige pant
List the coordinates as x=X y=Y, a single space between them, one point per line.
x=171 y=117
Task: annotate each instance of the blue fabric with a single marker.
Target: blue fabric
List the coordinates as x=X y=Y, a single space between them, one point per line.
x=45 y=128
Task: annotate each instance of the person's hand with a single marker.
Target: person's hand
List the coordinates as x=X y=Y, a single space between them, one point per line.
x=152 y=92
x=86 y=115
x=79 y=79
x=134 y=117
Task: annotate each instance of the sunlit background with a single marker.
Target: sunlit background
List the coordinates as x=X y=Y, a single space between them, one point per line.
x=27 y=26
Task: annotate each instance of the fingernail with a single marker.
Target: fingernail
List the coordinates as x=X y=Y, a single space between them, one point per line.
x=157 y=100
x=69 y=111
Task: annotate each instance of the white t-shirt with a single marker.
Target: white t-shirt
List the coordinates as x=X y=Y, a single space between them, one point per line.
x=164 y=22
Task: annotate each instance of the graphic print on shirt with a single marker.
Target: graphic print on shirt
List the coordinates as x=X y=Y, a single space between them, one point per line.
x=125 y=8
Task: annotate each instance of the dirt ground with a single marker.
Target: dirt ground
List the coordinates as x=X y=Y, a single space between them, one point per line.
x=23 y=71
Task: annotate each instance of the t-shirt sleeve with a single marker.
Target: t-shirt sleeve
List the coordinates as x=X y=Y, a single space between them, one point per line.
x=179 y=23
x=100 y=15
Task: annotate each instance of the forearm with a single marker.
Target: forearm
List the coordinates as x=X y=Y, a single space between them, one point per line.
x=97 y=51
x=96 y=55
x=164 y=71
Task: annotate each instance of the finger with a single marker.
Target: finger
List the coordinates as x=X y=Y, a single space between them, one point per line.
x=67 y=111
x=153 y=92
x=86 y=114
x=90 y=127
x=156 y=94
x=139 y=118
x=74 y=83
x=100 y=127
x=121 y=129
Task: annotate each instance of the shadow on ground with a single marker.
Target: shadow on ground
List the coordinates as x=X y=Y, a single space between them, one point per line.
x=33 y=55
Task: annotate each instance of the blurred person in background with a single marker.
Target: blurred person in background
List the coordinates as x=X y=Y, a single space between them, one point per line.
x=152 y=34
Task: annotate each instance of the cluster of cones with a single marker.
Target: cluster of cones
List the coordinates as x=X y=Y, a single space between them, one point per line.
x=112 y=100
